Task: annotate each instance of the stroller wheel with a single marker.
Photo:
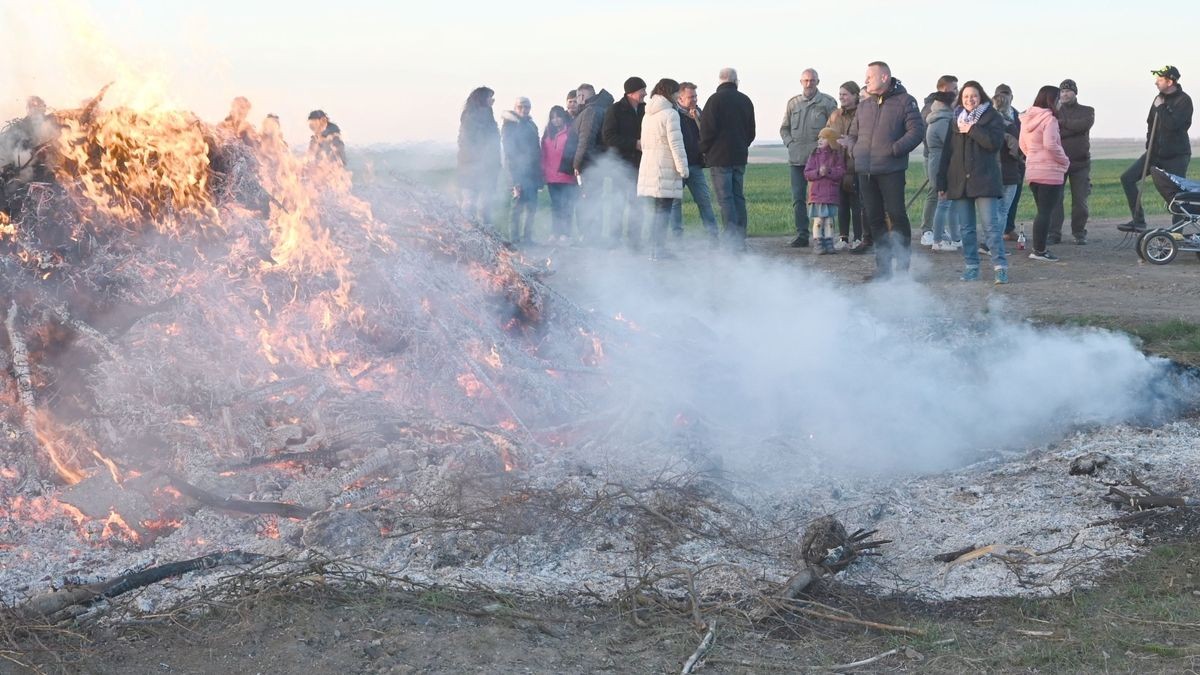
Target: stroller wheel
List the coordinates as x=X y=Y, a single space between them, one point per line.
x=1158 y=247
x=1141 y=239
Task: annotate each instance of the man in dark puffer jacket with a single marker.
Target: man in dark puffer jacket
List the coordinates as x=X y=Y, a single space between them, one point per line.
x=887 y=127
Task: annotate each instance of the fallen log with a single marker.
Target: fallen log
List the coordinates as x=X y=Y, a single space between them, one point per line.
x=1151 y=500
x=47 y=605
x=207 y=498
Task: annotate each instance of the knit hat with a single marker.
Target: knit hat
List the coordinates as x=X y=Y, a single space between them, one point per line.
x=1069 y=84
x=1169 y=72
x=634 y=84
x=850 y=86
x=828 y=133
x=1002 y=89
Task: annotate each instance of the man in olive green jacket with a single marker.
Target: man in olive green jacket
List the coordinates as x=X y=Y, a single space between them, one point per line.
x=807 y=113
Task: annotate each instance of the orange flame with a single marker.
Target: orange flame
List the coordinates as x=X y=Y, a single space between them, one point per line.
x=52 y=442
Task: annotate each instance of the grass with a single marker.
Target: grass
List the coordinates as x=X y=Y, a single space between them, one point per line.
x=769 y=200
x=1175 y=339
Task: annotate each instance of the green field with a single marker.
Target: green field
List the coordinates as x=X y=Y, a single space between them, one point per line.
x=769 y=200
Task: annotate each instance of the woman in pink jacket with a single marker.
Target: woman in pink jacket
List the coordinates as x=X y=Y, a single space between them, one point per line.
x=1045 y=163
x=563 y=187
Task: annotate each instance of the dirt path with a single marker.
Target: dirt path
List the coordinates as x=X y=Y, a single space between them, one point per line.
x=1093 y=281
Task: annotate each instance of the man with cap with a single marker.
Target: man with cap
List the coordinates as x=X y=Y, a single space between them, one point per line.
x=622 y=133
x=1012 y=162
x=326 y=142
x=1167 y=144
x=806 y=114
x=1075 y=124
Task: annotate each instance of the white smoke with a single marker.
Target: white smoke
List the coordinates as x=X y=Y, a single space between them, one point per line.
x=881 y=377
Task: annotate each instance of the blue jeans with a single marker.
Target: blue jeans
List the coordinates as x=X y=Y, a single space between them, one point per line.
x=945 y=226
x=728 y=184
x=800 y=201
x=1006 y=203
x=698 y=186
x=989 y=218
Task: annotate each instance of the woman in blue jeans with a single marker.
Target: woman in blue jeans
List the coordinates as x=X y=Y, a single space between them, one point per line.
x=969 y=176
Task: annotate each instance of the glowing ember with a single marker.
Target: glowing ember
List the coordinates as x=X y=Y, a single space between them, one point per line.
x=471 y=385
x=56 y=450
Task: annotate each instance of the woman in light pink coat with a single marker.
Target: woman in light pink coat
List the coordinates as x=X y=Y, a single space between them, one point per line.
x=1045 y=163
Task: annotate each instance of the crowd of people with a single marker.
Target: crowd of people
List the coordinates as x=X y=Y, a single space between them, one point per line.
x=848 y=158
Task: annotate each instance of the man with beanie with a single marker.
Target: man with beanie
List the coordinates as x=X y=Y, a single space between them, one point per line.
x=937 y=123
x=887 y=127
x=1167 y=144
x=623 y=135
x=1075 y=124
x=805 y=116
x=726 y=132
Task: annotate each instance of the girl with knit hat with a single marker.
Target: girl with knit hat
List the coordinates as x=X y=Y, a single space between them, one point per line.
x=824 y=171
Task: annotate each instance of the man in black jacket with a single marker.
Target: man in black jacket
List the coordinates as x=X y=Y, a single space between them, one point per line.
x=726 y=132
x=583 y=159
x=1075 y=123
x=1167 y=144
x=689 y=127
x=886 y=128
x=623 y=135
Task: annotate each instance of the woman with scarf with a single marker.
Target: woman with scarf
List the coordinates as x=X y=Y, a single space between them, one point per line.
x=850 y=210
x=1045 y=164
x=969 y=176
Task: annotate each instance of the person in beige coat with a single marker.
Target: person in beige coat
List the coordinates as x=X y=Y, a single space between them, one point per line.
x=664 y=164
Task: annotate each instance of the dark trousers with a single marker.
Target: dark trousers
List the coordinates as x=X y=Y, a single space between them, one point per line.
x=1045 y=197
x=625 y=187
x=1133 y=175
x=660 y=224
x=800 y=201
x=850 y=211
x=729 y=187
x=562 y=206
x=883 y=202
x=524 y=208
x=589 y=211
x=1080 y=179
x=1011 y=225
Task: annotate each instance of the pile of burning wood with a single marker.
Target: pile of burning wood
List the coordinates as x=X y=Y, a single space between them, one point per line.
x=191 y=315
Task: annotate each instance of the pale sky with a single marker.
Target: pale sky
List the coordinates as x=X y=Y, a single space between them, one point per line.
x=398 y=72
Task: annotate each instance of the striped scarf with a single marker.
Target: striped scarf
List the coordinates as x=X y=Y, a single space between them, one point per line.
x=972 y=117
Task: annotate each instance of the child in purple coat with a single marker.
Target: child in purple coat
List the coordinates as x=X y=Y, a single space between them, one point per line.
x=824 y=171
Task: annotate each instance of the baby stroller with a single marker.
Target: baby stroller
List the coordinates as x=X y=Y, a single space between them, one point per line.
x=1159 y=246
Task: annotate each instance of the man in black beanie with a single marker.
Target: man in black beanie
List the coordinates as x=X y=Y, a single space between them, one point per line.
x=1075 y=125
x=622 y=133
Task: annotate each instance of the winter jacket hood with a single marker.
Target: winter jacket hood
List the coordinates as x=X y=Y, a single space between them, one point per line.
x=1045 y=161
x=885 y=130
x=663 y=164
x=522 y=151
x=587 y=130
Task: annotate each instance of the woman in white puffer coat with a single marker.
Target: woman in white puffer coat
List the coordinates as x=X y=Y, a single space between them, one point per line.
x=664 y=162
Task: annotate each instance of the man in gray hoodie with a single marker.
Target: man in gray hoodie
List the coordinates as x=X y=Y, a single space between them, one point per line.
x=807 y=113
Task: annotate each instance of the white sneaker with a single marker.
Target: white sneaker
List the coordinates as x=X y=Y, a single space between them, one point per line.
x=841 y=245
x=944 y=246
x=957 y=245
x=927 y=238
